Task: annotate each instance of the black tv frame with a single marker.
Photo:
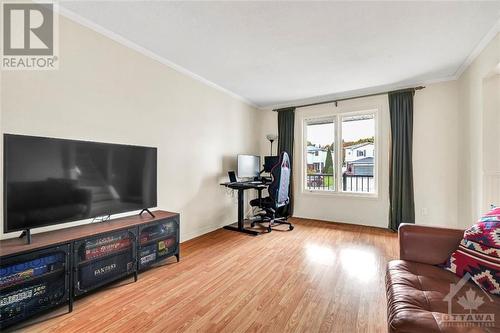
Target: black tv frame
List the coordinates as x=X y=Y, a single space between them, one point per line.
x=27 y=231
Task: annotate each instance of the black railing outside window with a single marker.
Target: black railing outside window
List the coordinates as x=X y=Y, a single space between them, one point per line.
x=321 y=181
x=350 y=183
x=358 y=183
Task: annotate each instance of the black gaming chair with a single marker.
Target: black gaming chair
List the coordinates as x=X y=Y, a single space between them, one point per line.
x=275 y=206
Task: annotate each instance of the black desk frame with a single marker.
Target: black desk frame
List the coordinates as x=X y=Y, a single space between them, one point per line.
x=241 y=187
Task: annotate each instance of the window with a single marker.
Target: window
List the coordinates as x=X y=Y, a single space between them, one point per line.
x=344 y=148
x=320 y=165
x=358 y=174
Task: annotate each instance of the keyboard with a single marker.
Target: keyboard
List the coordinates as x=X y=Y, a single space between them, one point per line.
x=245 y=185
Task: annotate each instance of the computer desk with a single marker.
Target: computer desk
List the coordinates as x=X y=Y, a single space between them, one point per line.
x=241 y=187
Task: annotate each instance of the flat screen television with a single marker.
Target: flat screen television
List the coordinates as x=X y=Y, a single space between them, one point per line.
x=50 y=181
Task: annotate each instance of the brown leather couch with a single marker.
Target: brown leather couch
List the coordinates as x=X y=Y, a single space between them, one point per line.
x=418 y=292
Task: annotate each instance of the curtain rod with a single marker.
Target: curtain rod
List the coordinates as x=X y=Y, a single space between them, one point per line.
x=349 y=98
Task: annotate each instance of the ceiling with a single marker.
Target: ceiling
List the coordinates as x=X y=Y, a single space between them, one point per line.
x=274 y=53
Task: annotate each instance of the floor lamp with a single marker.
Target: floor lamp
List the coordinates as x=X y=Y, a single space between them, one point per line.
x=271 y=138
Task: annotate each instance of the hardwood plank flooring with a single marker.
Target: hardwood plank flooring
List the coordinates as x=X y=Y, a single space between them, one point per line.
x=320 y=277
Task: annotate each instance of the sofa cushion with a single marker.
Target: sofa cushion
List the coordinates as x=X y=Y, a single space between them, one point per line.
x=417 y=300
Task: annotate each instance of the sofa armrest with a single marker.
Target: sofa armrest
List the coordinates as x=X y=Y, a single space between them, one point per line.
x=427 y=245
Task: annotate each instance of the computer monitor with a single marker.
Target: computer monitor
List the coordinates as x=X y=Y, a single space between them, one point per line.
x=248 y=166
x=270 y=162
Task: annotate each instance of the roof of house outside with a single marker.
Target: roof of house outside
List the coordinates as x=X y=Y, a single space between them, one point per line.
x=358 y=145
x=366 y=160
x=314 y=148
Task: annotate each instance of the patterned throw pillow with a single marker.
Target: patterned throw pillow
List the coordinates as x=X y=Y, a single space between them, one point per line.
x=479 y=253
x=492 y=216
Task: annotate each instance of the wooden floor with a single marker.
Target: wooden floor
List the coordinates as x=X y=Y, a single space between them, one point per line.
x=320 y=277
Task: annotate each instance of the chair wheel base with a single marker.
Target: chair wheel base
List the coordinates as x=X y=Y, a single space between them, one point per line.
x=269 y=229
x=290 y=227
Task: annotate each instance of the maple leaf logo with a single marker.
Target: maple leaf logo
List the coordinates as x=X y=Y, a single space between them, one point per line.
x=471 y=301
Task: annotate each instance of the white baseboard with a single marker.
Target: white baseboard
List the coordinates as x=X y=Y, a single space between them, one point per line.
x=185 y=236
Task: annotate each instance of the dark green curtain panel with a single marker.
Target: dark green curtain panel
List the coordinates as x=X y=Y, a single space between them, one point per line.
x=286 y=126
x=402 y=206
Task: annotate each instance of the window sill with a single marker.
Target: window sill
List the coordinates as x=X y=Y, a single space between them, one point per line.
x=351 y=195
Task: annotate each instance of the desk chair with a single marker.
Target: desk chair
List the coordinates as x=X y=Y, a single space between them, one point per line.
x=275 y=206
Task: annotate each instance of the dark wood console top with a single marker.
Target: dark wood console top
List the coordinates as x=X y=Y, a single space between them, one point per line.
x=66 y=235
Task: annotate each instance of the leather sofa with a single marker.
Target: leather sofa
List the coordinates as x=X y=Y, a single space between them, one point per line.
x=423 y=297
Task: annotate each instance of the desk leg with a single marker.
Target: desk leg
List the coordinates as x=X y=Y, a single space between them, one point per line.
x=241 y=219
x=241 y=209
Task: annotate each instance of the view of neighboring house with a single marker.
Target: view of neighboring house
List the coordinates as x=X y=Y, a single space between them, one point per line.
x=359 y=159
x=316 y=157
x=359 y=151
x=360 y=167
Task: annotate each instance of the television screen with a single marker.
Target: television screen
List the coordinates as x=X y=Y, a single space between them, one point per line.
x=49 y=181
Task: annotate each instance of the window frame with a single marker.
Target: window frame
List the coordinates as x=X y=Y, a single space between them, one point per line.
x=337 y=119
x=306 y=122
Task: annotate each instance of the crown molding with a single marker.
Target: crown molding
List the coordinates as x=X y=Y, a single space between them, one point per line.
x=148 y=53
x=478 y=49
x=371 y=90
x=379 y=89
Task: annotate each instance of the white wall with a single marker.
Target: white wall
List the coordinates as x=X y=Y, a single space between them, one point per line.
x=471 y=170
x=491 y=140
x=491 y=123
x=106 y=92
x=455 y=140
x=268 y=125
x=435 y=156
x=341 y=207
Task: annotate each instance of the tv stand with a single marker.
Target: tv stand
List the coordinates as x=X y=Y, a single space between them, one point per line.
x=26 y=233
x=77 y=260
x=147 y=211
